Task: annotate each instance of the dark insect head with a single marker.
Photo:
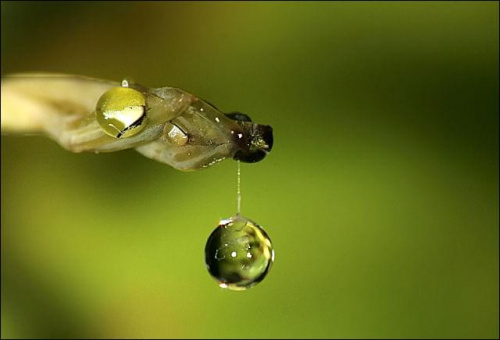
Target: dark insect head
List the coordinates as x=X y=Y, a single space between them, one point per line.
x=256 y=141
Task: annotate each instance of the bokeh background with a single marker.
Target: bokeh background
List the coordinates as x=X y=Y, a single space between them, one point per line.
x=380 y=195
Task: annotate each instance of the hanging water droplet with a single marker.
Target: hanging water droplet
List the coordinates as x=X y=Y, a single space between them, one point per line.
x=238 y=253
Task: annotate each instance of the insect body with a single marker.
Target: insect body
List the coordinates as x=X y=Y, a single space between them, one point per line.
x=166 y=124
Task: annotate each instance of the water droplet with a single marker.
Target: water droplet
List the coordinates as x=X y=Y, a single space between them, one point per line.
x=173 y=134
x=238 y=253
x=121 y=112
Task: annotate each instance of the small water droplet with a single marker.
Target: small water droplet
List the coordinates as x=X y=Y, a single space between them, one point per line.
x=238 y=253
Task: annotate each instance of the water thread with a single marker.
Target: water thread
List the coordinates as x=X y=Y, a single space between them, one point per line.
x=239 y=188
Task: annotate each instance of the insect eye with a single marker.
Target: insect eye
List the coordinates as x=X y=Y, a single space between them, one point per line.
x=260 y=144
x=121 y=112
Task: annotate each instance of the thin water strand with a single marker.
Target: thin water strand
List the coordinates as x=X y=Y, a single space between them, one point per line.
x=239 y=188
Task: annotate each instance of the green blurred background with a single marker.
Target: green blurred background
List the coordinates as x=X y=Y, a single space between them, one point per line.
x=380 y=195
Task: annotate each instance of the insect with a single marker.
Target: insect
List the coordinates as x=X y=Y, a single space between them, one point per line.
x=166 y=124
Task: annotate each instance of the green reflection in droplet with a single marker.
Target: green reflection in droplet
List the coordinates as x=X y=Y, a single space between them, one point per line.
x=238 y=253
x=121 y=112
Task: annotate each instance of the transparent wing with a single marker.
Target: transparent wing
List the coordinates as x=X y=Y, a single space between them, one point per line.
x=63 y=107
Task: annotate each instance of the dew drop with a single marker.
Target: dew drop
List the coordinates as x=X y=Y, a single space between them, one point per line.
x=238 y=253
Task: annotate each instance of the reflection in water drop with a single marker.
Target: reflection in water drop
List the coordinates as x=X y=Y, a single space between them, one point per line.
x=238 y=253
